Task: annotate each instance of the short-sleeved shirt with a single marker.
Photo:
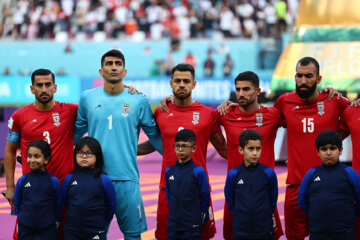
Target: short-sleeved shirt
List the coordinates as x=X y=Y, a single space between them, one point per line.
x=265 y=120
x=197 y=117
x=55 y=126
x=304 y=121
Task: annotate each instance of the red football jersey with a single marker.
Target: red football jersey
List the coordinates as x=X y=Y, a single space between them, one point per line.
x=265 y=120
x=55 y=126
x=350 y=122
x=304 y=121
x=197 y=117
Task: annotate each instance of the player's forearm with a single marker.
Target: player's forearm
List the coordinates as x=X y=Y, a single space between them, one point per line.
x=219 y=143
x=9 y=165
x=145 y=148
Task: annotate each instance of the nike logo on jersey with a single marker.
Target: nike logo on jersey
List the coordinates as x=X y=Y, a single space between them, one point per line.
x=295 y=108
x=239 y=118
x=74 y=183
x=33 y=121
x=317 y=179
x=171 y=177
x=170 y=115
x=241 y=181
x=96 y=237
x=27 y=185
x=98 y=106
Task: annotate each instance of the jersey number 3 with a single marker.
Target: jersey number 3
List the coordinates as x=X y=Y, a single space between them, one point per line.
x=308 y=125
x=46 y=134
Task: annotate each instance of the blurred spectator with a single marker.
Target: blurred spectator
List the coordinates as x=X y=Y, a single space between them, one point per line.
x=169 y=62
x=270 y=18
x=226 y=20
x=158 y=68
x=280 y=7
x=228 y=66
x=7 y=71
x=190 y=59
x=68 y=48
x=209 y=65
x=61 y=72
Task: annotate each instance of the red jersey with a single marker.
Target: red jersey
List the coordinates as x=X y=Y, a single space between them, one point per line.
x=265 y=120
x=55 y=126
x=197 y=117
x=349 y=122
x=304 y=121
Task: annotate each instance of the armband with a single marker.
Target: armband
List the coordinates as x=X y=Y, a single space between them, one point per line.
x=13 y=137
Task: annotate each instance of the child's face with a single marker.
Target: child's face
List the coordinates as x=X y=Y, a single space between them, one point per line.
x=329 y=154
x=183 y=150
x=36 y=159
x=251 y=152
x=85 y=157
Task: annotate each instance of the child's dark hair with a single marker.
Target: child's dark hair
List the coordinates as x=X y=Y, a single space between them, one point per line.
x=43 y=146
x=328 y=137
x=247 y=135
x=94 y=147
x=186 y=135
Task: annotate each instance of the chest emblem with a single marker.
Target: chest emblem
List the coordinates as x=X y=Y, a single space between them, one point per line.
x=126 y=109
x=321 y=108
x=196 y=118
x=259 y=119
x=56 y=118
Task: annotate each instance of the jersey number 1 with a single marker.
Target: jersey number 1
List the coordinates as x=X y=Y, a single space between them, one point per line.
x=110 y=122
x=308 y=125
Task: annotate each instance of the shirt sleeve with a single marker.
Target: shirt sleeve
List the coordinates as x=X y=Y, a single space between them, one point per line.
x=303 y=193
x=18 y=195
x=344 y=120
x=149 y=126
x=273 y=188
x=110 y=198
x=215 y=124
x=14 y=126
x=167 y=183
x=58 y=198
x=204 y=189
x=229 y=190
x=65 y=189
x=81 y=123
x=355 y=182
x=278 y=105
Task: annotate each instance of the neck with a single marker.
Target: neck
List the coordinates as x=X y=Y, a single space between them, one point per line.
x=113 y=88
x=44 y=107
x=183 y=102
x=251 y=108
x=312 y=97
x=184 y=160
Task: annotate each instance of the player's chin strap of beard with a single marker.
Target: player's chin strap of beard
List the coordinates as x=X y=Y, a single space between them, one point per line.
x=305 y=93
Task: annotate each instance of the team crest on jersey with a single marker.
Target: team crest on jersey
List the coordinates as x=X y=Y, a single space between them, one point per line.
x=56 y=118
x=321 y=108
x=196 y=117
x=259 y=119
x=126 y=108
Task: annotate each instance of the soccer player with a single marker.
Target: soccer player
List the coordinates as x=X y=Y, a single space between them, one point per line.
x=249 y=114
x=307 y=112
x=114 y=117
x=184 y=113
x=44 y=119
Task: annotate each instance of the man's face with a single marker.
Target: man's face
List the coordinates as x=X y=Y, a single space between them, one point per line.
x=113 y=70
x=306 y=79
x=43 y=88
x=251 y=152
x=329 y=154
x=246 y=93
x=182 y=84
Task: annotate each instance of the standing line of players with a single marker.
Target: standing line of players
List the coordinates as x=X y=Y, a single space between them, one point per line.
x=114 y=117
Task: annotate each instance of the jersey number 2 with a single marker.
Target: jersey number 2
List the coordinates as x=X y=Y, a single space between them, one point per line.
x=308 y=125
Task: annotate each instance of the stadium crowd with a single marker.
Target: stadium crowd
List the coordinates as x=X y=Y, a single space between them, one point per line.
x=155 y=19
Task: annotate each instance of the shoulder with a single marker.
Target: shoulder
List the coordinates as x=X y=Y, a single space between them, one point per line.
x=197 y=169
x=234 y=171
x=24 y=110
x=68 y=178
x=70 y=106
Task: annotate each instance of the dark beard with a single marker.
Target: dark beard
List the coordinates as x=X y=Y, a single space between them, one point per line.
x=44 y=101
x=114 y=81
x=181 y=97
x=246 y=104
x=305 y=93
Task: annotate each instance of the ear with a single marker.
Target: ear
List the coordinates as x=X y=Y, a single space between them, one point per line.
x=318 y=80
x=32 y=89
x=193 y=149
x=46 y=161
x=124 y=73
x=101 y=72
x=341 y=150
x=258 y=91
x=241 y=150
x=194 y=84
x=55 y=88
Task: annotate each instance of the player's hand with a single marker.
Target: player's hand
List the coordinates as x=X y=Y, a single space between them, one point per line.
x=10 y=195
x=224 y=106
x=164 y=101
x=132 y=89
x=356 y=103
x=332 y=92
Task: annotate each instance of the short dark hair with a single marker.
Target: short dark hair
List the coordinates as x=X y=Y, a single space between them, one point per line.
x=247 y=135
x=186 y=135
x=248 y=76
x=328 y=137
x=95 y=147
x=41 y=72
x=307 y=60
x=43 y=146
x=183 y=67
x=113 y=53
